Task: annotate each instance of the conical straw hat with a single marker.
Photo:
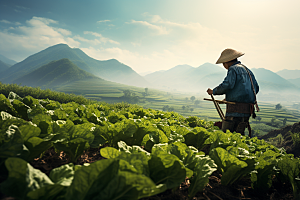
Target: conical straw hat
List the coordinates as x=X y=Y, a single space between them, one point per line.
x=228 y=55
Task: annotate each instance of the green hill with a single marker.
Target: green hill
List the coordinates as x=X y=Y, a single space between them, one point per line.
x=111 y=70
x=3 y=66
x=55 y=73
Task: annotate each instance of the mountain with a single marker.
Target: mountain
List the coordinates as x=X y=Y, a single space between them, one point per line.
x=289 y=74
x=111 y=70
x=53 y=74
x=184 y=77
x=3 y=66
x=295 y=81
x=7 y=60
x=270 y=81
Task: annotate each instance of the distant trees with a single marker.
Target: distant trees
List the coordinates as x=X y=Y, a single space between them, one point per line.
x=130 y=96
x=146 y=91
x=197 y=102
x=192 y=98
x=127 y=93
x=168 y=108
x=278 y=106
x=284 y=121
x=183 y=107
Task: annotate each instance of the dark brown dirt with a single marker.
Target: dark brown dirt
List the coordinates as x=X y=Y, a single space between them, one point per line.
x=240 y=190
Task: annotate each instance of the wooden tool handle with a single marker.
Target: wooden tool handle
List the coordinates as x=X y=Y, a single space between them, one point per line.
x=218 y=108
x=220 y=102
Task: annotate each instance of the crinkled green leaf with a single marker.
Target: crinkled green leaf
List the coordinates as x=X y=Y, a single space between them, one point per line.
x=30 y=101
x=28 y=131
x=6 y=106
x=23 y=178
x=13 y=96
x=111 y=179
x=166 y=169
x=20 y=108
x=138 y=160
x=131 y=149
x=43 y=121
x=63 y=175
x=290 y=168
x=204 y=168
x=230 y=166
x=109 y=152
x=53 y=105
x=6 y=116
x=175 y=137
x=59 y=114
x=156 y=136
x=262 y=176
x=99 y=139
x=197 y=137
x=11 y=142
x=37 y=146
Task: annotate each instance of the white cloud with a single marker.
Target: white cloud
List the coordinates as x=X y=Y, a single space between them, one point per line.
x=5 y=21
x=63 y=31
x=160 y=30
x=8 y=22
x=35 y=35
x=102 y=39
x=103 y=21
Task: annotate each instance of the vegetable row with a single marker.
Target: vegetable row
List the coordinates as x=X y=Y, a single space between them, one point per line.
x=149 y=152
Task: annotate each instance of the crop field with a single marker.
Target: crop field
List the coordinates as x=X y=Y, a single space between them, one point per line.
x=51 y=150
x=181 y=103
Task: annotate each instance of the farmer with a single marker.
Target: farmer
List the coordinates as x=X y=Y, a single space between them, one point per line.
x=239 y=88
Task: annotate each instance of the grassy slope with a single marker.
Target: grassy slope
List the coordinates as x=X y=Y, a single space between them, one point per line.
x=55 y=73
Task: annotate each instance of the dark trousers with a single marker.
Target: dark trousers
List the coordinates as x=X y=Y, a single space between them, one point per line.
x=237 y=124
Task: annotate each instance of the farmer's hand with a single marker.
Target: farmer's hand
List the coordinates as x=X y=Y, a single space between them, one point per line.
x=209 y=91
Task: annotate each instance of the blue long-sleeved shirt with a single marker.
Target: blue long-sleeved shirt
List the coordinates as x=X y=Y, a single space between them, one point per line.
x=237 y=87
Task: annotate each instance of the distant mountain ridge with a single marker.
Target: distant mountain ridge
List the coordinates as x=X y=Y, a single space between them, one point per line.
x=7 y=60
x=185 y=77
x=210 y=75
x=111 y=70
x=3 y=66
x=54 y=74
x=295 y=81
x=269 y=80
x=289 y=74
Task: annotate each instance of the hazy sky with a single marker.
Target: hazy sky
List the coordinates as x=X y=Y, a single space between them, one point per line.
x=151 y=35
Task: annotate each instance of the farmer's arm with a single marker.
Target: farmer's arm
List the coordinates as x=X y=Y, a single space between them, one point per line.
x=227 y=84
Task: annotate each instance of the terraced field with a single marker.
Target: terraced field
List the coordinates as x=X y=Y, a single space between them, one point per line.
x=113 y=93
